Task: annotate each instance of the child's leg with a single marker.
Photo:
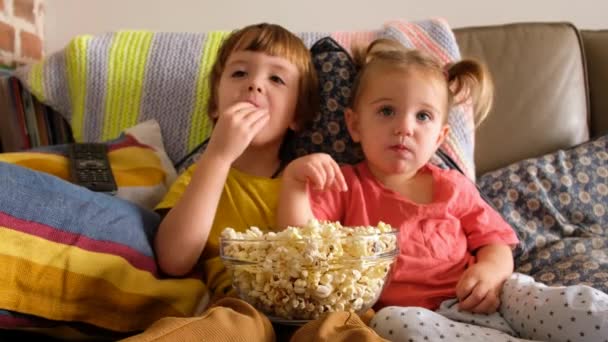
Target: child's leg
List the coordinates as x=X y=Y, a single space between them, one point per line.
x=449 y=309
x=336 y=327
x=572 y=313
x=419 y=324
x=230 y=319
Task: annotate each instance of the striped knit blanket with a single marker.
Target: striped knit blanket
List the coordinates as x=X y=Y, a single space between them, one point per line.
x=91 y=263
x=105 y=83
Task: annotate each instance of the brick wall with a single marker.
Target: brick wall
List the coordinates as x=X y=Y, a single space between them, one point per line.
x=21 y=31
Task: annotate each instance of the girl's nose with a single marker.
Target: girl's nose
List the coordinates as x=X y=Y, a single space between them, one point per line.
x=404 y=127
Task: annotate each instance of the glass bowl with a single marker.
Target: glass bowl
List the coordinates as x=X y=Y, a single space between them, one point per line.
x=301 y=273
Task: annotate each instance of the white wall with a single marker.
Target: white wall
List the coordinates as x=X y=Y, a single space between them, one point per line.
x=67 y=18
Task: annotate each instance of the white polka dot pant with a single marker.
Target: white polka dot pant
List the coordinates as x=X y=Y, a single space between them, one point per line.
x=529 y=311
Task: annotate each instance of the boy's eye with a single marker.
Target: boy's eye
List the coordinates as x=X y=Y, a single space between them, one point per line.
x=238 y=73
x=423 y=116
x=277 y=79
x=386 y=111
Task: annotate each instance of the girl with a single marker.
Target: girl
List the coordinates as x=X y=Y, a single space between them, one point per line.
x=452 y=244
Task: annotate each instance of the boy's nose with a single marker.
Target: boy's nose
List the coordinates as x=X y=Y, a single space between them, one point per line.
x=255 y=88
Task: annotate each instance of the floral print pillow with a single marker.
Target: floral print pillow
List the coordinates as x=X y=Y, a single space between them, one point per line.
x=558 y=204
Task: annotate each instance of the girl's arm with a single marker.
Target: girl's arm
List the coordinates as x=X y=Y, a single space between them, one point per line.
x=479 y=287
x=499 y=256
x=318 y=170
x=293 y=208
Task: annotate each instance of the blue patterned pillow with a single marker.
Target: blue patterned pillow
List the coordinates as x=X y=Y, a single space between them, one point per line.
x=558 y=205
x=327 y=132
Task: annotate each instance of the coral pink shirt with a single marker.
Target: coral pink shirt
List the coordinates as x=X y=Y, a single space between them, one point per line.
x=437 y=240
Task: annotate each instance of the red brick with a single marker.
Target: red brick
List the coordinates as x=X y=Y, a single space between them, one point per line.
x=24 y=9
x=7 y=37
x=31 y=45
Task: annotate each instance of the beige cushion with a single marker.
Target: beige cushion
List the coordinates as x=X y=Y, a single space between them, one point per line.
x=596 y=52
x=540 y=103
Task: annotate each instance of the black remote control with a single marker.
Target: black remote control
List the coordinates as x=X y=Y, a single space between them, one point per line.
x=90 y=167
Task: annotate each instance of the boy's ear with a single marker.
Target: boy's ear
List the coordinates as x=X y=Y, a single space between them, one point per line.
x=352 y=123
x=294 y=126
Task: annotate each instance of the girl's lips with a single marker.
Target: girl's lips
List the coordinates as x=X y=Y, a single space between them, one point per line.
x=401 y=150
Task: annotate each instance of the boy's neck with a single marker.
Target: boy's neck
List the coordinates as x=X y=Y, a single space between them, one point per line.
x=259 y=161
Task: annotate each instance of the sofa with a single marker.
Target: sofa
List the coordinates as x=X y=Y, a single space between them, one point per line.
x=540 y=158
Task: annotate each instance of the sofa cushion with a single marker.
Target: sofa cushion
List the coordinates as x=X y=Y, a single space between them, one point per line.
x=596 y=53
x=141 y=167
x=541 y=97
x=558 y=204
x=71 y=255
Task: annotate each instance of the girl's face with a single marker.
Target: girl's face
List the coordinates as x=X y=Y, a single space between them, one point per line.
x=399 y=119
x=264 y=81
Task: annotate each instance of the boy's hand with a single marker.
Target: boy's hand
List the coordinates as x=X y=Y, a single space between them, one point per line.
x=479 y=288
x=235 y=129
x=319 y=169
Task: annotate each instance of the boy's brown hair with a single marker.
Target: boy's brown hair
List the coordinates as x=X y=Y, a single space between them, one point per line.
x=276 y=41
x=466 y=80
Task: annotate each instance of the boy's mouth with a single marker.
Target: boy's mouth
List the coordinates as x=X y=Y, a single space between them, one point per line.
x=399 y=147
x=254 y=102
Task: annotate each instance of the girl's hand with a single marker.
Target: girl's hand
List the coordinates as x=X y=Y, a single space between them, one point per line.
x=479 y=288
x=317 y=169
x=235 y=129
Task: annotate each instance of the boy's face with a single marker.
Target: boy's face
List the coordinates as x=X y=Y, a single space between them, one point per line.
x=264 y=81
x=399 y=119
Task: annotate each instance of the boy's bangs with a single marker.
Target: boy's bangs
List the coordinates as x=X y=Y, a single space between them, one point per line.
x=272 y=42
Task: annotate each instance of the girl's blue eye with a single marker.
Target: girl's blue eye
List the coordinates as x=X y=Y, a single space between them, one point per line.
x=386 y=111
x=423 y=116
x=238 y=73
x=277 y=79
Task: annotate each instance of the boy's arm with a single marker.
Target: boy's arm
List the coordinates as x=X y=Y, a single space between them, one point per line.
x=183 y=233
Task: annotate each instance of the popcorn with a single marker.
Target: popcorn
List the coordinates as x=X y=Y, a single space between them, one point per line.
x=303 y=272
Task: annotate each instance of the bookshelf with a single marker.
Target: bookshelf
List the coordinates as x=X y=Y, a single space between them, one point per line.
x=25 y=122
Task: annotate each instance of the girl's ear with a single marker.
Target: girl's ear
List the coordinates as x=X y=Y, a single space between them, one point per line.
x=352 y=123
x=443 y=133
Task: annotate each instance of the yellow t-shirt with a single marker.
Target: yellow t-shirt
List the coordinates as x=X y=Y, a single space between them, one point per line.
x=245 y=201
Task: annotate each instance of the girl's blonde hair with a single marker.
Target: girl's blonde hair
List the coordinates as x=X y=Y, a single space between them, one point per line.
x=466 y=80
x=276 y=41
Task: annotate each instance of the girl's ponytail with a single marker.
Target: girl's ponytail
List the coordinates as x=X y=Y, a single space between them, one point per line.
x=469 y=80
